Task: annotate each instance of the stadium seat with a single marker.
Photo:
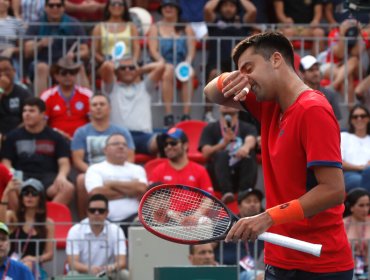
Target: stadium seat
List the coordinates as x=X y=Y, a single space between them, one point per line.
x=151 y=164
x=142 y=158
x=193 y=129
x=61 y=215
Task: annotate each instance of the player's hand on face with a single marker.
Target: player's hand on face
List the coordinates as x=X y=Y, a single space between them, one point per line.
x=248 y=229
x=236 y=85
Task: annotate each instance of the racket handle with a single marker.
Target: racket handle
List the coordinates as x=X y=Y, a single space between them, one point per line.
x=284 y=241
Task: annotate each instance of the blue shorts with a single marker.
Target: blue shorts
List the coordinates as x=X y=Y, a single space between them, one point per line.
x=142 y=141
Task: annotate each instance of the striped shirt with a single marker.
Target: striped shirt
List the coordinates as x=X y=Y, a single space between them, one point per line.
x=11 y=29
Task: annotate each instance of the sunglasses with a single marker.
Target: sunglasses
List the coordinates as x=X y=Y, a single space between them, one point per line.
x=56 y=5
x=171 y=143
x=361 y=116
x=127 y=67
x=65 y=72
x=99 y=210
x=31 y=192
x=116 y=4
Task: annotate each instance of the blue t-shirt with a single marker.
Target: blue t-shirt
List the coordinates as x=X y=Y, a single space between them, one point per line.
x=16 y=271
x=90 y=140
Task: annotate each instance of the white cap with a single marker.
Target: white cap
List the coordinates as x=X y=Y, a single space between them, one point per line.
x=308 y=61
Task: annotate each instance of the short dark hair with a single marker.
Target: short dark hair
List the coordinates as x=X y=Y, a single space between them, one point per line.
x=98 y=197
x=35 y=101
x=47 y=2
x=265 y=44
x=5 y=58
x=100 y=94
x=113 y=134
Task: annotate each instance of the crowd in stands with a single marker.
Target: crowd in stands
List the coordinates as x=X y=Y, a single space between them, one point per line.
x=77 y=83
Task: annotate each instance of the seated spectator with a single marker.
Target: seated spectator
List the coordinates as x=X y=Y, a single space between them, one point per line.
x=11 y=30
x=229 y=147
x=301 y=18
x=362 y=90
x=89 y=141
x=40 y=152
x=67 y=104
x=122 y=182
x=29 y=11
x=178 y=169
x=16 y=269
x=12 y=97
x=86 y=10
x=54 y=30
x=172 y=42
x=336 y=11
x=192 y=12
x=310 y=71
x=355 y=147
x=357 y=225
x=131 y=100
x=202 y=254
x=26 y=246
x=116 y=27
x=95 y=245
x=224 y=20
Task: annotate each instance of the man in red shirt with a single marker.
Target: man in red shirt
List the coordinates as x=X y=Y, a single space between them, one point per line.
x=178 y=169
x=301 y=158
x=67 y=104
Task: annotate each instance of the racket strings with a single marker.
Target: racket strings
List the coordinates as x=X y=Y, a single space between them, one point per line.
x=184 y=214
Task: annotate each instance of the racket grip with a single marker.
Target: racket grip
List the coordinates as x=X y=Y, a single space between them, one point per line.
x=288 y=242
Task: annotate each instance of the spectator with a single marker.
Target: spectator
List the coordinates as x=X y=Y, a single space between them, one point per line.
x=337 y=11
x=224 y=20
x=67 y=104
x=95 y=245
x=88 y=145
x=356 y=223
x=202 y=254
x=300 y=18
x=10 y=269
x=116 y=27
x=6 y=178
x=40 y=152
x=192 y=12
x=173 y=42
x=310 y=70
x=178 y=169
x=131 y=101
x=86 y=10
x=355 y=149
x=28 y=10
x=12 y=97
x=56 y=34
x=34 y=225
x=229 y=147
x=362 y=90
x=120 y=181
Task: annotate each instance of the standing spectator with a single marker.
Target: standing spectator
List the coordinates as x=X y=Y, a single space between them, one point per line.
x=229 y=147
x=34 y=225
x=88 y=145
x=291 y=13
x=131 y=100
x=224 y=20
x=202 y=254
x=174 y=43
x=357 y=225
x=310 y=70
x=95 y=245
x=86 y=10
x=40 y=152
x=355 y=146
x=116 y=27
x=122 y=182
x=56 y=35
x=67 y=104
x=12 y=97
x=178 y=169
x=9 y=268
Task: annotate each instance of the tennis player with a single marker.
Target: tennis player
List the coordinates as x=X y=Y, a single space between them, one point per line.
x=301 y=160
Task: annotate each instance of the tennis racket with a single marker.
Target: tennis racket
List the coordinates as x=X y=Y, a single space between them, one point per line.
x=188 y=215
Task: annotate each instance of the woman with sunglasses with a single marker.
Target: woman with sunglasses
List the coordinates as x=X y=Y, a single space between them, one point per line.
x=355 y=147
x=116 y=27
x=33 y=226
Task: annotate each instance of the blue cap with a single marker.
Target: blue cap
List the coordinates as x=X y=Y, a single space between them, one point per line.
x=176 y=133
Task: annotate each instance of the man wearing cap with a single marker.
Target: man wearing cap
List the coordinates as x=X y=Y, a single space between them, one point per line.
x=310 y=70
x=178 y=169
x=67 y=104
x=131 y=98
x=10 y=269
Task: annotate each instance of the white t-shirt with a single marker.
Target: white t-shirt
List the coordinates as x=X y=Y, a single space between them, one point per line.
x=355 y=150
x=96 y=250
x=97 y=174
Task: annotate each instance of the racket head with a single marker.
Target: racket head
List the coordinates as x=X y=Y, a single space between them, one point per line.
x=184 y=214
